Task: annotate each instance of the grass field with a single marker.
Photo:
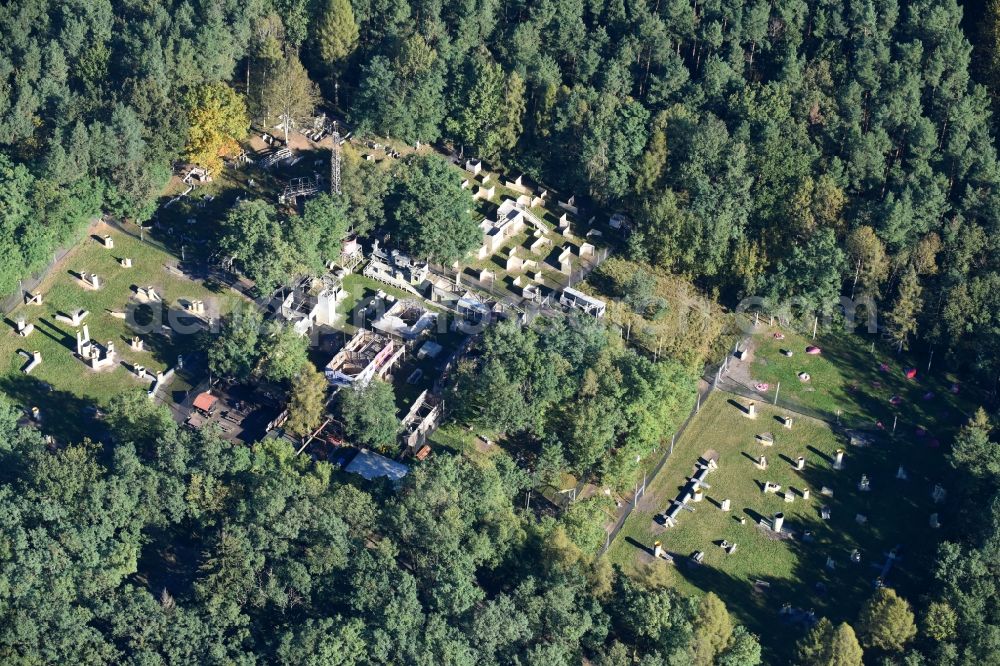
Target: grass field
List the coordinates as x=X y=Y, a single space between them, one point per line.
x=848 y=378
x=897 y=513
x=63 y=382
x=453 y=437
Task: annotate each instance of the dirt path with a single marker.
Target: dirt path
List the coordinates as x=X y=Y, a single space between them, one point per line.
x=739 y=370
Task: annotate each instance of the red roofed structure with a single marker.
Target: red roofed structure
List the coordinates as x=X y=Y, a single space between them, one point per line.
x=206 y=402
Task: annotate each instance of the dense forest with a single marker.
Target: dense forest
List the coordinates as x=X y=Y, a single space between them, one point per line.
x=263 y=557
x=785 y=148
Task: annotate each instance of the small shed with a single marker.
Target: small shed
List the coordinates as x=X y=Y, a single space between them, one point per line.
x=206 y=403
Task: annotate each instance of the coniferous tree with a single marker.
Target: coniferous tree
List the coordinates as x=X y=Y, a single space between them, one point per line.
x=826 y=645
x=974 y=451
x=901 y=320
x=335 y=34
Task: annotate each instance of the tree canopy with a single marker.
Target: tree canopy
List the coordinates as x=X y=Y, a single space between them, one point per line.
x=799 y=149
x=431 y=212
x=369 y=414
x=217 y=121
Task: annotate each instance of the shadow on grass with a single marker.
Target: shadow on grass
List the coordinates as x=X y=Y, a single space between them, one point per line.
x=817 y=452
x=56 y=334
x=67 y=417
x=165 y=345
x=633 y=542
x=753 y=515
x=738 y=406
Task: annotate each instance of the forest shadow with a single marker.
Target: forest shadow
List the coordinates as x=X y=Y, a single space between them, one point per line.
x=55 y=406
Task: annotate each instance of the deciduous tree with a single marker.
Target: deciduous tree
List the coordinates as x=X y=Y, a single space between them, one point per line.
x=369 y=415
x=235 y=352
x=307 y=402
x=886 y=622
x=432 y=212
x=712 y=628
x=283 y=352
x=217 y=122
x=254 y=238
x=289 y=96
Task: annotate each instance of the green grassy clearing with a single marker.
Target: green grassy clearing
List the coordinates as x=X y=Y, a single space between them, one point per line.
x=457 y=439
x=359 y=290
x=62 y=381
x=847 y=378
x=897 y=513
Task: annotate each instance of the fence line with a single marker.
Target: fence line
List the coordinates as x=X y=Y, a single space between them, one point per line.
x=718 y=379
x=702 y=396
x=10 y=303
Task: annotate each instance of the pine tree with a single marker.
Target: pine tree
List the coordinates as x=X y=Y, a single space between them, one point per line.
x=901 y=322
x=973 y=451
x=826 y=645
x=812 y=647
x=336 y=34
x=939 y=621
x=481 y=108
x=989 y=43
x=512 y=123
